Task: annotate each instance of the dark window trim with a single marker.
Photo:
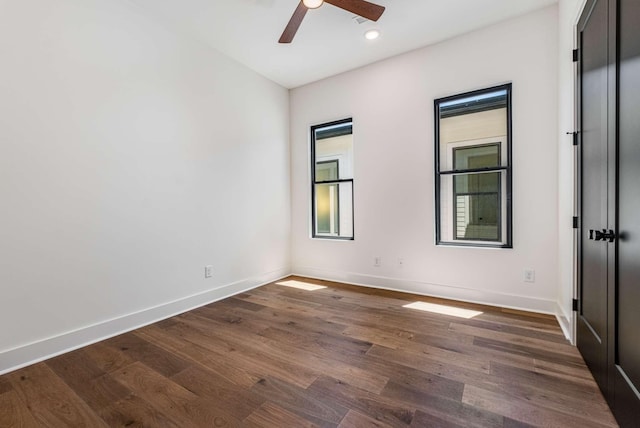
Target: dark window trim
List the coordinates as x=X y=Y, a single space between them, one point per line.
x=336 y=132
x=330 y=133
x=474 y=170
x=475 y=107
x=509 y=167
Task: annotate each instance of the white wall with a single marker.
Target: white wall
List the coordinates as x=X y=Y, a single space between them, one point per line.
x=130 y=158
x=568 y=15
x=391 y=103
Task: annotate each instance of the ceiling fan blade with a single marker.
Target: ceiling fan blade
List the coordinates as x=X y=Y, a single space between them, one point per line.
x=371 y=11
x=294 y=23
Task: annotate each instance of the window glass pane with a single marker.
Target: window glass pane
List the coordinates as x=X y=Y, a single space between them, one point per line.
x=327 y=170
x=333 y=208
x=327 y=209
x=475 y=183
x=334 y=144
x=481 y=156
x=477 y=207
x=479 y=118
x=473 y=207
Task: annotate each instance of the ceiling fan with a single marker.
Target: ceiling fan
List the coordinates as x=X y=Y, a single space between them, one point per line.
x=363 y=8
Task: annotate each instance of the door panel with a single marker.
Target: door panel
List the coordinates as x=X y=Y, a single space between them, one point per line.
x=609 y=274
x=592 y=316
x=628 y=312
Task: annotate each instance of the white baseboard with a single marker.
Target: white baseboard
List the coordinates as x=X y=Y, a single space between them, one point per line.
x=492 y=298
x=566 y=324
x=41 y=350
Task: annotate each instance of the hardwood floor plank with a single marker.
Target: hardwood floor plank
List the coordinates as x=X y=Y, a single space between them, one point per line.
x=289 y=304
x=439 y=366
x=422 y=419
x=317 y=341
x=512 y=423
x=520 y=410
x=5 y=385
x=50 y=400
x=548 y=399
x=531 y=320
x=355 y=419
x=237 y=401
x=152 y=356
x=301 y=402
x=378 y=336
x=407 y=320
x=246 y=351
x=575 y=373
x=405 y=392
x=416 y=379
x=14 y=413
x=470 y=349
x=172 y=400
x=272 y=415
x=550 y=384
x=451 y=411
x=107 y=358
x=528 y=351
x=237 y=303
x=75 y=366
x=133 y=411
x=92 y=384
x=391 y=412
x=219 y=364
x=553 y=337
x=564 y=349
x=320 y=360
x=271 y=317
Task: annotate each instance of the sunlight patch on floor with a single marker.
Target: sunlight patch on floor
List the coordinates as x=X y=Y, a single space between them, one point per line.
x=443 y=309
x=301 y=285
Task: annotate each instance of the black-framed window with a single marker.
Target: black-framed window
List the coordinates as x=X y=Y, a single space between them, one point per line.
x=332 y=180
x=473 y=168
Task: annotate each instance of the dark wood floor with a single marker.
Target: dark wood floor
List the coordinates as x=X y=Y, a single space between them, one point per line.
x=339 y=356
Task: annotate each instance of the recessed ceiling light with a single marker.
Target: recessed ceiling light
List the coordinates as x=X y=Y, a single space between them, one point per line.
x=312 y=4
x=372 y=34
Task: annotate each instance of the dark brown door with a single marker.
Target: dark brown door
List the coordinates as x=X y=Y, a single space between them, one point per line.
x=609 y=274
x=592 y=331
x=627 y=355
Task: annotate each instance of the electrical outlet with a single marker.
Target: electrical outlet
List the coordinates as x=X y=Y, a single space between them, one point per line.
x=377 y=261
x=529 y=275
x=208 y=271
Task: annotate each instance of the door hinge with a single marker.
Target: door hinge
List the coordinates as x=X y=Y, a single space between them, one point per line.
x=575 y=222
x=575 y=55
x=574 y=135
x=575 y=304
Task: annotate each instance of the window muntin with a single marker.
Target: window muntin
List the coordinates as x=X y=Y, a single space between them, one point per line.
x=473 y=168
x=332 y=180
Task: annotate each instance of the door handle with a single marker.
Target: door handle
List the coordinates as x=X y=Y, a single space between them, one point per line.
x=609 y=235
x=603 y=235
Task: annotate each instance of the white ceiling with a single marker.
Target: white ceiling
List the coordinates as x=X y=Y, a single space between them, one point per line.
x=329 y=40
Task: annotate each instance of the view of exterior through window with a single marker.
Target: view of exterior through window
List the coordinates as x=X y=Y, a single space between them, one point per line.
x=473 y=168
x=332 y=180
